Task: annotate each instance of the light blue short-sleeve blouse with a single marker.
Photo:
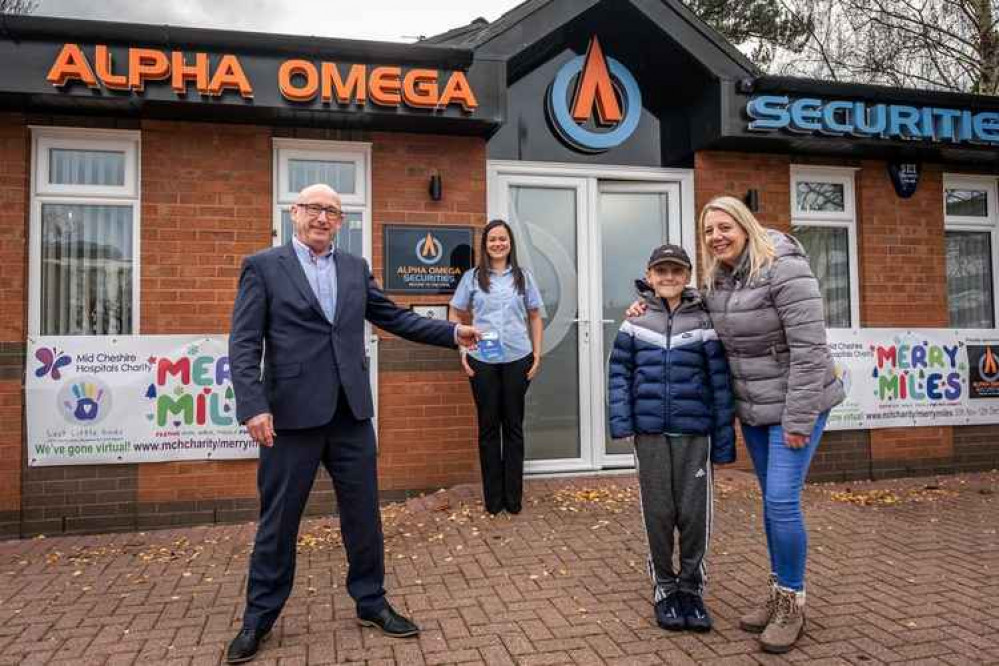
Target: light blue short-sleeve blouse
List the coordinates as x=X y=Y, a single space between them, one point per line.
x=502 y=309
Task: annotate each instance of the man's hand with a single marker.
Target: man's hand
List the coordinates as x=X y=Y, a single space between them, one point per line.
x=261 y=429
x=468 y=336
x=533 y=370
x=636 y=309
x=795 y=441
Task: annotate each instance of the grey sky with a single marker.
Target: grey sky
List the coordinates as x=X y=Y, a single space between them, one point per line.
x=389 y=20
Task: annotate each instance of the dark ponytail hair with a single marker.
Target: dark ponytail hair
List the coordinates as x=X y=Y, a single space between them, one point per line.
x=482 y=265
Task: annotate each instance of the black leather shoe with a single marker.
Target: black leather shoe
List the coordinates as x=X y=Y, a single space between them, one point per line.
x=245 y=646
x=390 y=622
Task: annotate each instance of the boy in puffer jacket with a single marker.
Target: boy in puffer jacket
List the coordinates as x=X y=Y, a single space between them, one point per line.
x=669 y=389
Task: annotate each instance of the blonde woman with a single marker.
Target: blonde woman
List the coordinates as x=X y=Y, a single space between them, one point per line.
x=767 y=311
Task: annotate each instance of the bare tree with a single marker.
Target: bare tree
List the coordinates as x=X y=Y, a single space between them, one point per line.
x=18 y=6
x=938 y=44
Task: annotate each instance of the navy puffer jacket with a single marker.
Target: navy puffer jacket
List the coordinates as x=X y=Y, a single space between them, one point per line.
x=668 y=374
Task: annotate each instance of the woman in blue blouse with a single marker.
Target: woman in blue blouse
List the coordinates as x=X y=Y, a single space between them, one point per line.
x=502 y=300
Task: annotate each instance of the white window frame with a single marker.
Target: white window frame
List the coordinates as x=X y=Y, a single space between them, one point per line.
x=334 y=151
x=845 y=219
x=989 y=223
x=43 y=192
x=97 y=140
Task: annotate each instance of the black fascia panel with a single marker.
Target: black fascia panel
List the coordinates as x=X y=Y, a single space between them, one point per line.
x=41 y=28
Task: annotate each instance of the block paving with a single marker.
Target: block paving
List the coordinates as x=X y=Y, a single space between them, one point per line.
x=900 y=572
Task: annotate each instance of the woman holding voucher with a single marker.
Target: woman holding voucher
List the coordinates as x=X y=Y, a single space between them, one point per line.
x=503 y=300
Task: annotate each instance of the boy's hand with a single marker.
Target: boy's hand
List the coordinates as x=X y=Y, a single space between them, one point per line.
x=636 y=309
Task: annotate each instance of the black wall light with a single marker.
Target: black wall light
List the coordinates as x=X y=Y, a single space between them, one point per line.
x=436 y=187
x=752 y=200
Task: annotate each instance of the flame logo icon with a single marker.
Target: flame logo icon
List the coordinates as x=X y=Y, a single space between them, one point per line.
x=594 y=87
x=429 y=250
x=988 y=365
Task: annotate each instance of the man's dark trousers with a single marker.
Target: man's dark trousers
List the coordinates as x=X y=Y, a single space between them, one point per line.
x=346 y=448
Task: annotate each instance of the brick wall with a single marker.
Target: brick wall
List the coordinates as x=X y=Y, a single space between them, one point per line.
x=896 y=236
x=206 y=204
x=976 y=447
x=14 y=150
x=842 y=455
x=717 y=173
x=426 y=422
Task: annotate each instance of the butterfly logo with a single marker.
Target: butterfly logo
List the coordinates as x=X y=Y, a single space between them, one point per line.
x=51 y=360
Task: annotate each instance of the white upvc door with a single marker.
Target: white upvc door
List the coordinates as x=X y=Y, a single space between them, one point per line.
x=585 y=234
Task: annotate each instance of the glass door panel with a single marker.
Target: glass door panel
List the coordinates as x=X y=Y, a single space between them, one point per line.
x=544 y=224
x=632 y=219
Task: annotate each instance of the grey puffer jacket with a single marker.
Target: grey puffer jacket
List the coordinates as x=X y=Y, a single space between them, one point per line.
x=774 y=334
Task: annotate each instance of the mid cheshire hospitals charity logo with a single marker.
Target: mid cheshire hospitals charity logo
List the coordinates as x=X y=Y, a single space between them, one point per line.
x=605 y=106
x=52 y=360
x=84 y=401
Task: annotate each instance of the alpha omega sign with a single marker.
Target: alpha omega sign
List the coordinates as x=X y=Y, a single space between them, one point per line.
x=426 y=260
x=594 y=104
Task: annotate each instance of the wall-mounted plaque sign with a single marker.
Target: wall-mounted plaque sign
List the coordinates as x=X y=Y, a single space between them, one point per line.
x=426 y=260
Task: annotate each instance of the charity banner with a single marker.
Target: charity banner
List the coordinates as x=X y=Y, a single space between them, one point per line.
x=131 y=399
x=925 y=377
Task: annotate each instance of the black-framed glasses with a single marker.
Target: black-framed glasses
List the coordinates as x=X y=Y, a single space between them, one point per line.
x=313 y=210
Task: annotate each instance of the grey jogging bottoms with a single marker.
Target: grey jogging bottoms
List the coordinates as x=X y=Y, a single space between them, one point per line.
x=675 y=477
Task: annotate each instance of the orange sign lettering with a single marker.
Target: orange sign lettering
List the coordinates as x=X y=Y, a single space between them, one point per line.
x=182 y=72
x=105 y=70
x=286 y=81
x=298 y=80
x=458 y=91
x=71 y=64
x=148 y=65
x=356 y=86
x=229 y=74
x=385 y=86
x=420 y=88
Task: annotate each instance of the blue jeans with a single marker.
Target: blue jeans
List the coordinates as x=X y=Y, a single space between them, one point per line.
x=781 y=471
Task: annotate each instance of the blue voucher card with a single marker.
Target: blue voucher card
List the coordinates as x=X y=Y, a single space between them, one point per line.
x=490 y=348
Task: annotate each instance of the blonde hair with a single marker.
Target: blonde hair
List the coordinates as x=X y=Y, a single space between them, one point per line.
x=761 y=249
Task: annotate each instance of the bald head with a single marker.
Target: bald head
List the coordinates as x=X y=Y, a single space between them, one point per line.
x=317 y=215
x=318 y=190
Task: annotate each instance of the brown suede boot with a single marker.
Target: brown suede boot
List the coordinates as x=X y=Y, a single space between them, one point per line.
x=788 y=623
x=756 y=620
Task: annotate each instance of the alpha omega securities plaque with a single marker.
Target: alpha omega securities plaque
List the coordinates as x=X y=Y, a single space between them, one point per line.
x=426 y=260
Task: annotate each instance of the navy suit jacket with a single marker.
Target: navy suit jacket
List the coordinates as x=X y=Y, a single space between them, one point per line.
x=306 y=359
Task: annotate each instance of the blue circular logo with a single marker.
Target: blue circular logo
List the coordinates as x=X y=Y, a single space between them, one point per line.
x=573 y=133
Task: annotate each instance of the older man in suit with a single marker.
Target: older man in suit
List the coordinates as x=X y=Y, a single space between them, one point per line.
x=305 y=304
